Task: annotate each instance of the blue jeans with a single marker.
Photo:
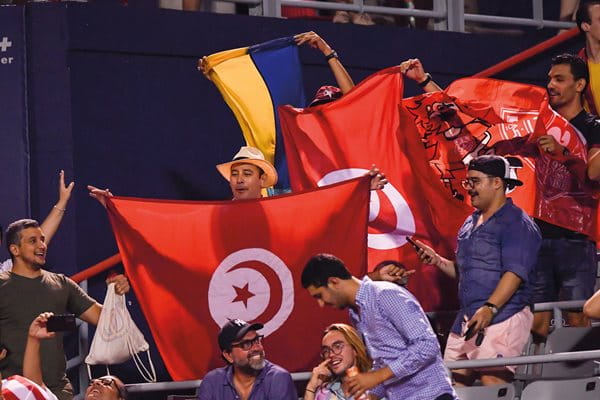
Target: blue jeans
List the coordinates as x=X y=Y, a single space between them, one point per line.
x=565 y=270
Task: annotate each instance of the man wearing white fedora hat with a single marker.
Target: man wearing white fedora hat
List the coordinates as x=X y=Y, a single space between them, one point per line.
x=248 y=173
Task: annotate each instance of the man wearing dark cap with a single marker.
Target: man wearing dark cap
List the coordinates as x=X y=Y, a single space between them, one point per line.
x=495 y=259
x=248 y=375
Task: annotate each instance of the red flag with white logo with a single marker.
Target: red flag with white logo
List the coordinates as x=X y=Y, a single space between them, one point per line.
x=476 y=116
x=342 y=139
x=193 y=265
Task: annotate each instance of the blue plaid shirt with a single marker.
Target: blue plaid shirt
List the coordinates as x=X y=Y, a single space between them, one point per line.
x=398 y=335
x=508 y=241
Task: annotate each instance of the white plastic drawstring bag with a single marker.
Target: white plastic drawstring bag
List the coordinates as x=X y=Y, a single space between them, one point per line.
x=117 y=338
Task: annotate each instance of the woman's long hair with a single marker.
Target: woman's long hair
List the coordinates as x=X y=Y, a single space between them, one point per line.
x=363 y=362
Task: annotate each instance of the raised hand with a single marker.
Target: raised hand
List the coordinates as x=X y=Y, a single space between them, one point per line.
x=313 y=40
x=37 y=329
x=99 y=194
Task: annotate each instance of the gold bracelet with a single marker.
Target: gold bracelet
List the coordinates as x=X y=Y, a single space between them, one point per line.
x=60 y=209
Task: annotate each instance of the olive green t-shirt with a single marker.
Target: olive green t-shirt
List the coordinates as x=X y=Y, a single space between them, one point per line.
x=21 y=301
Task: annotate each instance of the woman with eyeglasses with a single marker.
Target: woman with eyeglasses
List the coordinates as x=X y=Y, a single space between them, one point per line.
x=341 y=349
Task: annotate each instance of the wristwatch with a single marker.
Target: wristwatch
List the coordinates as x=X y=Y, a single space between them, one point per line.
x=426 y=81
x=492 y=307
x=331 y=55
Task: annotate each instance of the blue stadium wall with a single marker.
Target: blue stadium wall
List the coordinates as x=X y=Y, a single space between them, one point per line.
x=111 y=94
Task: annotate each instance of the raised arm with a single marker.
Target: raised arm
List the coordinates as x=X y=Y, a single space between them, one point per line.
x=342 y=77
x=99 y=194
x=32 y=367
x=52 y=221
x=413 y=69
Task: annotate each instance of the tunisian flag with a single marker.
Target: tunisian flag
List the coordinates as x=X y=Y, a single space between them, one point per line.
x=342 y=139
x=193 y=265
x=476 y=116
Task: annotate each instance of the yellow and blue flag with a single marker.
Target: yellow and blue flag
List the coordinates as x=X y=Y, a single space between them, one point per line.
x=254 y=81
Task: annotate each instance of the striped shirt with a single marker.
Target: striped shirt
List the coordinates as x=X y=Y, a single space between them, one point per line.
x=17 y=387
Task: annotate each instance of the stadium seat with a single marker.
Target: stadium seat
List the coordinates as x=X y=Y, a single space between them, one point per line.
x=571 y=339
x=503 y=392
x=580 y=389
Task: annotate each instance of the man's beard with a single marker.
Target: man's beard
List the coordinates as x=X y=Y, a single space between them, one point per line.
x=253 y=365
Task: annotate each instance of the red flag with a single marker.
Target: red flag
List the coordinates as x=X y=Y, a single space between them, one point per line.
x=475 y=116
x=342 y=139
x=195 y=264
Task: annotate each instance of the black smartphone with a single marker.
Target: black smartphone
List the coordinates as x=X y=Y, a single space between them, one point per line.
x=61 y=323
x=413 y=243
x=470 y=332
x=480 y=337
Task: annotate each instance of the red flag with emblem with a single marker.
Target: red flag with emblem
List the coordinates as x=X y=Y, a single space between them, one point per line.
x=193 y=265
x=342 y=139
x=476 y=116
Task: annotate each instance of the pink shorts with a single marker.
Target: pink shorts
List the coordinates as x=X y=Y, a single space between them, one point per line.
x=506 y=339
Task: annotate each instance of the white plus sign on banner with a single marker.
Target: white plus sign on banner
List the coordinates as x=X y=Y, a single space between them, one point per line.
x=5 y=44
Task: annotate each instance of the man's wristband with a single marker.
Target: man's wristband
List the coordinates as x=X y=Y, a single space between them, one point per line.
x=492 y=307
x=426 y=81
x=60 y=209
x=331 y=55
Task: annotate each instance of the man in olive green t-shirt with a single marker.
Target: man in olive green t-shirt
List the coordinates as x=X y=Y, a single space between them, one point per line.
x=28 y=290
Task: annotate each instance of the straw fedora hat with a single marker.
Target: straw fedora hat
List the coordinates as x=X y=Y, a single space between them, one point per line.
x=250 y=155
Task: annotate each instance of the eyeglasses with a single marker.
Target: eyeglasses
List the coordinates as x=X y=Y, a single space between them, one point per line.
x=470 y=183
x=108 y=382
x=248 y=344
x=336 y=348
x=105 y=381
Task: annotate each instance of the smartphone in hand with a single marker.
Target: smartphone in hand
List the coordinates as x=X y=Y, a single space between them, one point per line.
x=470 y=332
x=413 y=243
x=61 y=323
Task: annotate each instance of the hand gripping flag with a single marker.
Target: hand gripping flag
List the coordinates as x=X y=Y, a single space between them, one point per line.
x=342 y=139
x=193 y=265
x=254 y=81
x=476 y=116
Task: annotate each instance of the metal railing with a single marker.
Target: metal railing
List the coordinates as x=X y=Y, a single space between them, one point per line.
x=448 y=15
x=556 y=307
x=466 y=364
x=522 y=360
